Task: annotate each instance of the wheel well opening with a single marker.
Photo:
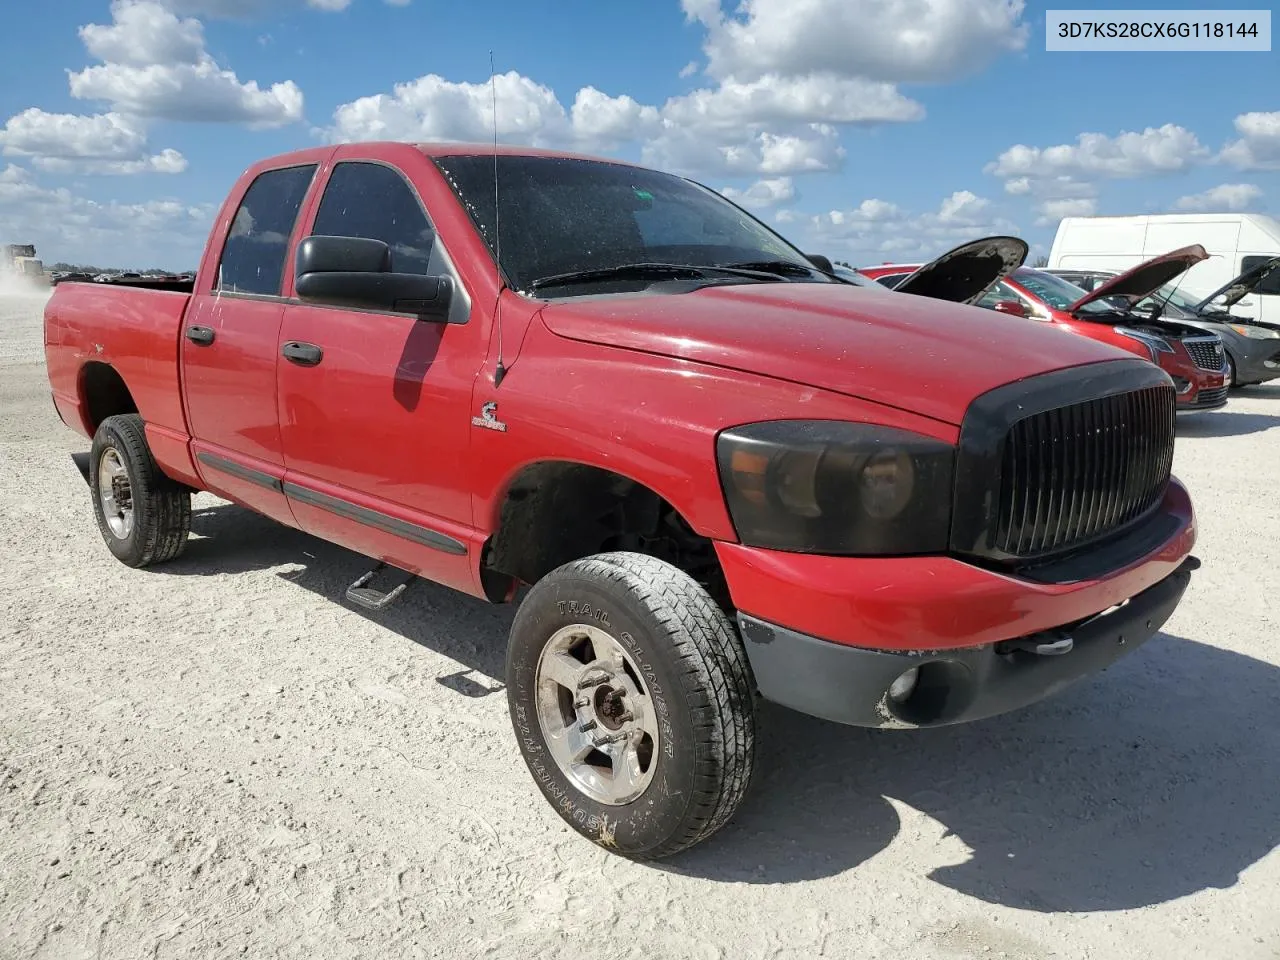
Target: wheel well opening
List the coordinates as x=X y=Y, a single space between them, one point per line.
x=558 y=512
x=104 y=394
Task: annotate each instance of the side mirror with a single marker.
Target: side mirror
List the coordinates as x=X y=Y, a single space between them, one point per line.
x=356 y=272
x=1013 y=307
x=822 y=263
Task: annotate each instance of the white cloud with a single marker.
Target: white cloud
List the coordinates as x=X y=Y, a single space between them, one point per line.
x=143 y=33
x=1226 y=196
x=877 y=230
x=1050 y=188
x=689 y=151
x=770 y=127
x=689 y=69
x=1156 y=150
x=890 y=40
x=156 y=66
x=763 y=193
x=68 y=143
x=774 y=99
x=247 y=9
x=962 y=207
x=70 y=227
x=1051 y=211
x=1259 y=145
x=433 y=108
x=600 y=121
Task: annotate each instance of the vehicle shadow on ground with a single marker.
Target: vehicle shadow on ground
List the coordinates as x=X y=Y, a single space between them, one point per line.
x=229 y=539
x=1225 y=424
x=1150 y=782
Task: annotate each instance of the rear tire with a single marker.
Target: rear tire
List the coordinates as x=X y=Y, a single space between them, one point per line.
x=633 y=703
x=143 y=515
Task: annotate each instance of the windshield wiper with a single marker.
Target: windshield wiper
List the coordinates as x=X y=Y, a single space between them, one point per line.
x=641 y=271
x=780 y=268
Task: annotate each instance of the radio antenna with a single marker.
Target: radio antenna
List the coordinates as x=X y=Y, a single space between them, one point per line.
x=500 y=370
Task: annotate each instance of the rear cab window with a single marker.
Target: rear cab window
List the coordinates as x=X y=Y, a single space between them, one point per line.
x=254 y=253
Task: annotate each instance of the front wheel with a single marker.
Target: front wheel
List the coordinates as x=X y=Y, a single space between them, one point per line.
x=632 y=702
x=144 y=516
x=1229 y=373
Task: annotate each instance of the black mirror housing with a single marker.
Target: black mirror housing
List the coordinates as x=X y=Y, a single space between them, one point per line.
x=356 y=272
x=822 y=263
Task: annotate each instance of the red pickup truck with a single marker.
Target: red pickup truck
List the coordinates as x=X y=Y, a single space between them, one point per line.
x=712 y=471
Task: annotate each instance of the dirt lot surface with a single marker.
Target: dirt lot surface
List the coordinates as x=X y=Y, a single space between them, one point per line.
x=219 y=758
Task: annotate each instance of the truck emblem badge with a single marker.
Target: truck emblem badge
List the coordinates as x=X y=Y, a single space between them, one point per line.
x=489 y=418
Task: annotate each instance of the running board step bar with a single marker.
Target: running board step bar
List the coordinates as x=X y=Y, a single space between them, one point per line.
x=363 y=595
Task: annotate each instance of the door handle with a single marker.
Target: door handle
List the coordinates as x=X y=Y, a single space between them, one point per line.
x=306 y=354
x=201 y=335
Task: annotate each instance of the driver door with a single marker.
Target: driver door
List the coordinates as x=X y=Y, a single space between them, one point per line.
x=374 y=407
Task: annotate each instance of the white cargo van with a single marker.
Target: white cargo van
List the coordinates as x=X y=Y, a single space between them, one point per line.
x=1235 y=242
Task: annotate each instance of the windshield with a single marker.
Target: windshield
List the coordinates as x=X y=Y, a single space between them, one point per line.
x=1061 y=294
x=1171 y=294
x=561 y=216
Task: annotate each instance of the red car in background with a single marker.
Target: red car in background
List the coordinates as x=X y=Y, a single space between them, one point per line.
x=1194 y=358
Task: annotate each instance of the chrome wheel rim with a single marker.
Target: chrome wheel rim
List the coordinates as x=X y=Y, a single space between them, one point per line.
x=115 y=493
x=596 y=714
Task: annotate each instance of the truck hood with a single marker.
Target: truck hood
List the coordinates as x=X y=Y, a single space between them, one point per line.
x=1146 y=278
x=965 y=273
x=1243 y=285
x=921 y=355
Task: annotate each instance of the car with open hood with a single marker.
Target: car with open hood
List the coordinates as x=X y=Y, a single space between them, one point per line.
x=1252 y=346
x=961 y=275
x=709 y=471
x=1194 y=358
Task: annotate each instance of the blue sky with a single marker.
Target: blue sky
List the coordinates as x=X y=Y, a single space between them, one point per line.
x=869 y=130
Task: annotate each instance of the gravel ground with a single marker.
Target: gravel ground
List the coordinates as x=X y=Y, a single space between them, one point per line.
x=219 y=758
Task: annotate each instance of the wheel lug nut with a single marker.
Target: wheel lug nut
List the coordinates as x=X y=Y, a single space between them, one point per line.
x=584 y=702
x=587 y=725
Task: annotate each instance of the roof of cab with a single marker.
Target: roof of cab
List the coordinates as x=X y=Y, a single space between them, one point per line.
x=312 y=154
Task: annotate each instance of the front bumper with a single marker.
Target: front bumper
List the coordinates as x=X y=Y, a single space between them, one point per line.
x=1208 y=391
x=850 y=685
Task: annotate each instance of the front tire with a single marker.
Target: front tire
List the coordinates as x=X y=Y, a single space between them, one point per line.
x=143 y=515
x=633 y=703
x=1230 y=373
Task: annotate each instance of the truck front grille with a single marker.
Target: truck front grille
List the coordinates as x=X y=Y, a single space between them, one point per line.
x=1206 y=352
x=1042 y=473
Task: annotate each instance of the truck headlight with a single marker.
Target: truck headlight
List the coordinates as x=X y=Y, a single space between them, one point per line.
x=1255 y=333
x=1154 y=344
x=837 y=488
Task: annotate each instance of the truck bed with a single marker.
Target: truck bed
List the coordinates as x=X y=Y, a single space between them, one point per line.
x=94 y=331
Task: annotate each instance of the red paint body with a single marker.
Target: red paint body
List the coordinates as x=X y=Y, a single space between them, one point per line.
x=1177 y=364
x=636 y=385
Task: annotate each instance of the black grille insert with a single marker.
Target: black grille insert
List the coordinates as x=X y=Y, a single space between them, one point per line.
x=1053 y=463
x=1206 y=352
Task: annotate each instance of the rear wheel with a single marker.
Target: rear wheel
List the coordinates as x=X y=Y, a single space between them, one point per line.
x=144 y=516
x=632 y=703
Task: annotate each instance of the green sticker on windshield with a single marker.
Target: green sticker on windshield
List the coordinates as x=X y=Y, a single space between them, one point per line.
x=642 y=194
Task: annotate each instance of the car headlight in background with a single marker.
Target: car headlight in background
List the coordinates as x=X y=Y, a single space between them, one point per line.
x=837 y=488
x=1255 y=333
x=1156 y=345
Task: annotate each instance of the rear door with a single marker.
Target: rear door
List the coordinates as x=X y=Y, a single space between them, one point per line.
x=230 y=340
x=376 y=425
